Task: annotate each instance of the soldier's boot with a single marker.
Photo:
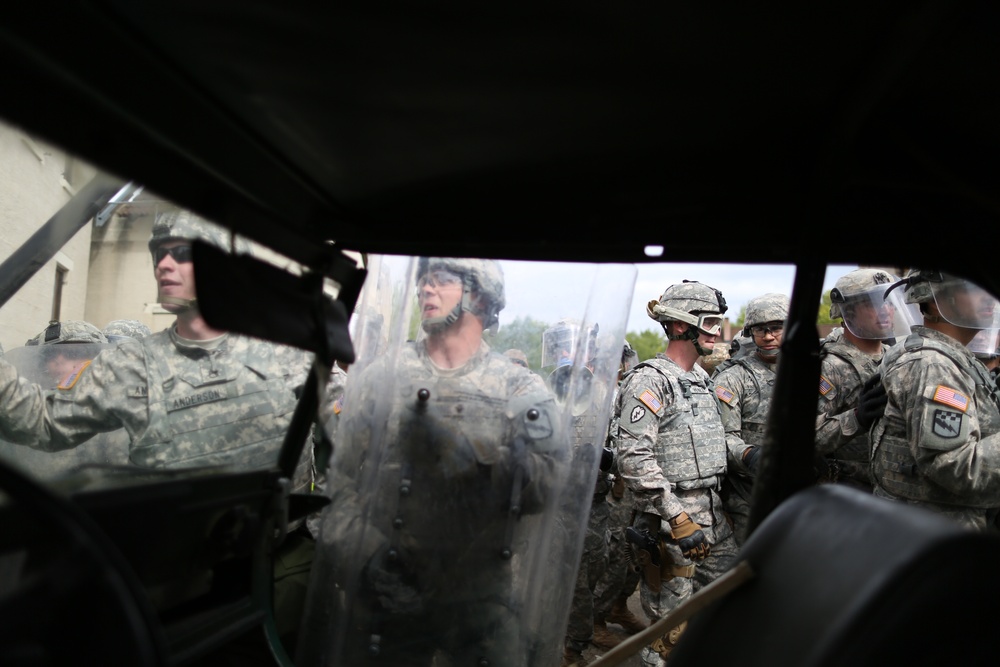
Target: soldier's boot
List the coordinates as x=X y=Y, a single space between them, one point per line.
x=572 y=658
x=623 y=616
x=665 y=644
x=604 y=638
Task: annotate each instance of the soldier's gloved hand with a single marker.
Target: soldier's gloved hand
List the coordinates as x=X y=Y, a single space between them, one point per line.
x=750 y=455
x=388 y=577
x=607 y=458
x=689 y=537
x=871 y=403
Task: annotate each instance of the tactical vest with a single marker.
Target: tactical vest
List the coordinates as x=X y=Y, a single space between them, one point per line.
x=865 y=367
x=691 y=442
x=754 y=421
x=893 y=466
x=230 y=406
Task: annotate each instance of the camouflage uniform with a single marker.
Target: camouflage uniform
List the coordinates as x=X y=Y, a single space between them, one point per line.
x=183 y=403
x=419 y=534
x=938 y=443
x=594 y=560
x=116 y=330
x=672 y=454
x=744 y=389
x=843 y=372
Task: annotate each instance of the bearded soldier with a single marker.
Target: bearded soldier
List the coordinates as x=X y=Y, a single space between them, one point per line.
x=671 y=448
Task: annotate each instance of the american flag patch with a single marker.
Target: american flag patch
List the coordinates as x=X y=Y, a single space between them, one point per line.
x=724 y=394
x=951 y=397
x=338 y=405
x=824 y=386
x=651 y=401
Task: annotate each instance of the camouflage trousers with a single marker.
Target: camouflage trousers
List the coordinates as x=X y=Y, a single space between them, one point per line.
x=736 y=494
x=619 y=579
x=593 y=563
x=671 y=593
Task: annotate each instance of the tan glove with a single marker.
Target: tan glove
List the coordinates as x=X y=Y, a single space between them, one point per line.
x=689 y=537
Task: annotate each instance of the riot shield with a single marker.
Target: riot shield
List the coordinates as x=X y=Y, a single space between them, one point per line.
x=460 y=483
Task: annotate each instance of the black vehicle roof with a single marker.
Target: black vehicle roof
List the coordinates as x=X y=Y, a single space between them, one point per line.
x=854 y=132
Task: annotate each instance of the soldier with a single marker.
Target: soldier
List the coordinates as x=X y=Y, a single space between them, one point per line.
x=938 y=443
x=564 y=345
x=187 y=396
x=671 y=447
x=82 y=341
x=850 y=358
x=443 y=449
x=517 y=356
x=620 y=579
x=986 y=347
x=117 y=330
x=744 y=387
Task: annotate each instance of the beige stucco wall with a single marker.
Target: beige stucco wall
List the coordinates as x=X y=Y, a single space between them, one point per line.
x=37 y=180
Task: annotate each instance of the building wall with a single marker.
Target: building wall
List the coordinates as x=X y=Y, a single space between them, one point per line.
x=37 y=181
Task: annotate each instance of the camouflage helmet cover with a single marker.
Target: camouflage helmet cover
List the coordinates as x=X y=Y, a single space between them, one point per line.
x=770 y=307
x=858 y=283
x=918 y=285
x=182 y=225
x=485 y=276
x=68 y=331
x=687 y=302
x=117 y=329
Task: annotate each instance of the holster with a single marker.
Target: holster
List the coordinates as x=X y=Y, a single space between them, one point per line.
x=667 y=569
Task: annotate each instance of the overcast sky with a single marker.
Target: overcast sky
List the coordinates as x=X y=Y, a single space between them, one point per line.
x=738 y=282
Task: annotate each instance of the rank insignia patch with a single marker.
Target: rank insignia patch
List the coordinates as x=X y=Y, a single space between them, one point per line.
x=651 y=401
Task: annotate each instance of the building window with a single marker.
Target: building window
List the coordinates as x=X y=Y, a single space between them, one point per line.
x=57 y=291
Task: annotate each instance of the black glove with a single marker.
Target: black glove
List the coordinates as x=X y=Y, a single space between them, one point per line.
x=607 y=458
x=690 y=537
x=750 y=458
x=871 y=403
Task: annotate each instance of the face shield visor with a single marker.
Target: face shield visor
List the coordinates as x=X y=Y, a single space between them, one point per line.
x=963 y=303
x=985 y=344
x=874 y=315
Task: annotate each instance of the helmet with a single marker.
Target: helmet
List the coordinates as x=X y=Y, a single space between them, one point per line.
x=692 y=302
x=569 y=342
x=70 y=331
x=483 y=276
x=859 y=285
x=182 y=225
x=869 y=309
x=959 y=301
x=117 y=330
x=629 y=358
x=517 y=356
x=770 y=307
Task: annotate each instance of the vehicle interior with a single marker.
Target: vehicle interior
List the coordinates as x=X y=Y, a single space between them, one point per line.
x=558 y=133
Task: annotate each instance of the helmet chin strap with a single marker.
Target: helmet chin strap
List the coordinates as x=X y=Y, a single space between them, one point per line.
x=185 y=304
x=690 y=334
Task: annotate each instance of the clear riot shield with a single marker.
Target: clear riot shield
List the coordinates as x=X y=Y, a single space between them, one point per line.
x=460 y=483
x=50 y=366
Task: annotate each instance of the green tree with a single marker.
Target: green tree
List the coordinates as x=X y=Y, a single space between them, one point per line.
x=525 y=334
x=823 y=317
x=647 y=344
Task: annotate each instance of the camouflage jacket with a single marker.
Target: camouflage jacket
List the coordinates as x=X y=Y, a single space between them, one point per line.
x=182 y=404
x=938 y=442
x=844 y=370
x=671 y=443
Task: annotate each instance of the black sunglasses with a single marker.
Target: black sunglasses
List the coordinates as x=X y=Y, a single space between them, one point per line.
x=180 y=253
